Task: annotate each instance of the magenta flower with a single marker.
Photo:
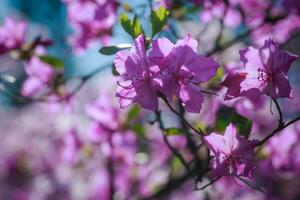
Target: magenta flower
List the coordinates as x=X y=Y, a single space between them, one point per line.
x=12 y=35
x=91 y=20
x=39 y=75
x=105 y=118
x=181 y=70
x=137 y=72
x=72 y=145
x=292 y=5
x=218 y=9
x=231 y=154
x=266 y=71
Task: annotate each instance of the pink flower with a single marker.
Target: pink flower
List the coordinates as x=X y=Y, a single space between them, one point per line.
x=39 y=74
x=72 y=145
x=232 y=154
x=266 y=71
x=181 y=70
x=218 y=9
x=292 y=5
x=91 y=20
x=12 y=35
x=137 y=72
x=105 y=118
x=281 y=31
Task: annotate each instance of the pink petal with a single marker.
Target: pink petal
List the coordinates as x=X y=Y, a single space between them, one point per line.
x=191 y=98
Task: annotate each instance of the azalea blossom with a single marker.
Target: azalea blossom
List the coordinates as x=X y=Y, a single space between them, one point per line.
x=91 y=20
x=12 y=35
x=39 y=75
x=72 y=145
x=181 y=70
x=265 y=72
x=105 y=118
x=138 y=84
x=231 y=154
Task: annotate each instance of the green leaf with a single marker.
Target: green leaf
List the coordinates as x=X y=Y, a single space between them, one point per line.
x=226 y=115
x=110 y=50
x=55 y=62
x=158 y=19
x=114 y=71
x=137 y=28
x=173 y=131
x=133 y=113
x=132 y=27
x=138 y=129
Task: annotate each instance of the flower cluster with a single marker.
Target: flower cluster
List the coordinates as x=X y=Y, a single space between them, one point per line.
x=91 y=20
x=12 y=35
x=169 y=69
x=265 y=72
x=153 y=150
x=231 y=154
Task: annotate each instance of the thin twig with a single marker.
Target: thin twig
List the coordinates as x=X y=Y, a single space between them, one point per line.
x=178 y=155
x=199 y=132
x=174 y=151
x=210 y=183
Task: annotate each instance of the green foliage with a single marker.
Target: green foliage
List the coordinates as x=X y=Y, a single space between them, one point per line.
x=114 y=71
x=132 y=27
x=226 y=115
x=138 y=129
x=133 y=113
x=111 y=50
x=55 y=62
x=173 y=131
x=158 y=19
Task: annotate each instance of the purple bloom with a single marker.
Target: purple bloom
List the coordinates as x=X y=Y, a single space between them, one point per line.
x=292 y=5
x=91 y=20
x=105 y=118
x=72 y=145
x=137 y=72
x=218 y=9
x=266 y=71
x=39 y=74
x=232 y=154
x=12 y=35
x=181 y=70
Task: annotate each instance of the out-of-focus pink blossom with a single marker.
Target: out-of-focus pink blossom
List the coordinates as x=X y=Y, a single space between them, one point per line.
x=232 y=154
x=72 y=145
x=39 y=75
x=292 y=5
x=285 y=157
x=218 y=9
x=91 y=20
x=12 y=35
x=105 y=118
x=266 y=71
x=281 y=31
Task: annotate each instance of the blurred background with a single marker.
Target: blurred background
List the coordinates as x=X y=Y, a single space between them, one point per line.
x=59 y=149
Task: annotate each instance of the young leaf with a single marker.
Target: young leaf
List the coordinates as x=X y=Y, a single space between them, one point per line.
x=226 y=115
x=55 y=62
x=110 y=50
x=173 y=131
x=133 y=113
x=137 y=28
x=158 y=19
x=138 y=129
x=114 y=71
x=132 y=27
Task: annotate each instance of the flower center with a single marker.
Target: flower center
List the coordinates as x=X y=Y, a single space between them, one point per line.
x=232 y=159
x=263 y=76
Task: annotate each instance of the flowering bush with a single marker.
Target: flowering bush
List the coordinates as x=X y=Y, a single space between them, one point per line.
x=202 y=102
